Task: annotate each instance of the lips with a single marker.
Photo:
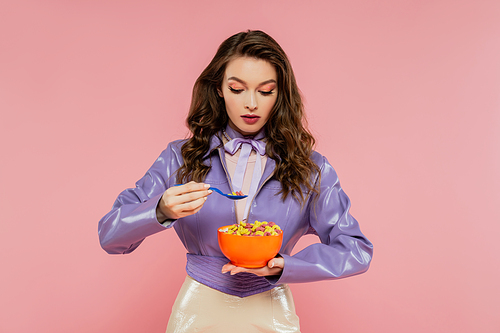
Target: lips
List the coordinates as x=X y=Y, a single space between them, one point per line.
x=250 y=118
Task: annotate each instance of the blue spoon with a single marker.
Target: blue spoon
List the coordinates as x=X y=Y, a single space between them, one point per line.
x=229 y=196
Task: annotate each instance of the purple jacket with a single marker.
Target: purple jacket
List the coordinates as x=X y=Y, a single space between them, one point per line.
x=344 y=251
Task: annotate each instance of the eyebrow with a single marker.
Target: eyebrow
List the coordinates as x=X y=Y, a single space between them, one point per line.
x=234 y=78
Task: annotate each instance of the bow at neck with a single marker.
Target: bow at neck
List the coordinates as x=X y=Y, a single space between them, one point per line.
x=236 y=140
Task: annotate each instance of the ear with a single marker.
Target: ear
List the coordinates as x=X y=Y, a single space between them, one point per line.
x=219 y=91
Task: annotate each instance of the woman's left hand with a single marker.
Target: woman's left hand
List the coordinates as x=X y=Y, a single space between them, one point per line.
x=274 y=267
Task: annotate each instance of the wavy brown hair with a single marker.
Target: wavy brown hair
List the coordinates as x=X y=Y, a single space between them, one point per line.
x=289 y=143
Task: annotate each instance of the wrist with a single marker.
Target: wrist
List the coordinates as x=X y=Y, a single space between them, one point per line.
x=160 y=216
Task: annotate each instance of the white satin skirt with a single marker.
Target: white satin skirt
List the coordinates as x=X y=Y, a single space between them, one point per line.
x=199 y=308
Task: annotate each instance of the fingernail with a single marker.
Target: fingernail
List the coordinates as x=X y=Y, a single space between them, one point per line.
x=205 y=198
x=206 y=185
x=272 y=264
x=210 y=191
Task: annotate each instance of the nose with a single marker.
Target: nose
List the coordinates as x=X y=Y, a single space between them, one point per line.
x=251 y=102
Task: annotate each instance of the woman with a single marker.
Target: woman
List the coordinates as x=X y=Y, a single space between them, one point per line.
x=246 y=119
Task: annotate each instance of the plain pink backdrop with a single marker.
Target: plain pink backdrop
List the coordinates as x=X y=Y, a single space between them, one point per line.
x=403 y=97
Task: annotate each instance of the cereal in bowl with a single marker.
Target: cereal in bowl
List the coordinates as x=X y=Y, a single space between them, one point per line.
x=254 y=229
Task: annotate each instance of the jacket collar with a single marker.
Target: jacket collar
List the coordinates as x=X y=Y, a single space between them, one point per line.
x=215 y=142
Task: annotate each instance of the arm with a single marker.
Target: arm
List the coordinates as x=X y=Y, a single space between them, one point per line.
x=344 y=251
x=133 y=216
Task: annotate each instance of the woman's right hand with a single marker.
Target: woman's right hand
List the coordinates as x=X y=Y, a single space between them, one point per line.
x=182 y=200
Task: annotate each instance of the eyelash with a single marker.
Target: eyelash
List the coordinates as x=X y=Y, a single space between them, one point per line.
x=237 y=91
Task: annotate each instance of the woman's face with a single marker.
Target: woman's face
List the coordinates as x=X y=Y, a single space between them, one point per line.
x=249 y=89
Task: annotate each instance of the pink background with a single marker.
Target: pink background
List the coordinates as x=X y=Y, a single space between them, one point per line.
x=403 y=97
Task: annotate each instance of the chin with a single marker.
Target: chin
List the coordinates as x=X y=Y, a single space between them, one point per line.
x=249 y=130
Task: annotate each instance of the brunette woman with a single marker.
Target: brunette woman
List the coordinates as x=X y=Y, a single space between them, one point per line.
x=248 y=134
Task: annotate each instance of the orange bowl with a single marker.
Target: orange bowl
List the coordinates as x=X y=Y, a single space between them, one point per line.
x=248 y=251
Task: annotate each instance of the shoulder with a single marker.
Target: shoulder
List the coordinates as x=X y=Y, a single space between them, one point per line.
x=327 y=170
x=320 y=160
x=317 y=158
x=173 y=151
x=176 y=145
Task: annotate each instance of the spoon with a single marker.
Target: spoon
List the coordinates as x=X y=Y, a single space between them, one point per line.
x=229 y=196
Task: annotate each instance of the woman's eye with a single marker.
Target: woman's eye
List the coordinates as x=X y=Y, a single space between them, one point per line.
x=236 y=91
x=265 y=93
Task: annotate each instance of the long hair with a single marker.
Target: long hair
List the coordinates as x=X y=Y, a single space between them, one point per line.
x=289 y=143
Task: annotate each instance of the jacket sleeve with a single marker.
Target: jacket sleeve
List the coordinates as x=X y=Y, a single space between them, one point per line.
x=133 y=215
x=344 y=251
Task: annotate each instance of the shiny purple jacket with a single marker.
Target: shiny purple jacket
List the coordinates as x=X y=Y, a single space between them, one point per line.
x=344 y=251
